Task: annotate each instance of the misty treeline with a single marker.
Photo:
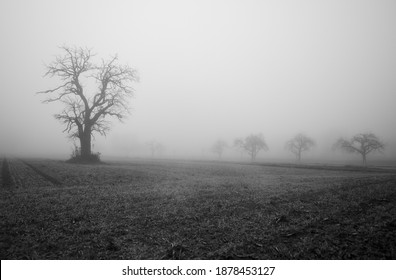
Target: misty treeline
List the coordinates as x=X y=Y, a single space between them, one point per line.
x=362 y=143
x=94 y=91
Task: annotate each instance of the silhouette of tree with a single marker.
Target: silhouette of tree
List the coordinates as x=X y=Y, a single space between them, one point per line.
x=87 y=110
x=300 y=143
x=218 y=147
x=155 y=147
x=252 y=144
x=363 y=144
x=238 y=144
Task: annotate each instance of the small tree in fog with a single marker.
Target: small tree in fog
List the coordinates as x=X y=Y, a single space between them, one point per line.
x=155 y=147
x=238 y=144
x=253 y=144
x=363 y=144
x=300 y=143
x=218 y=147
x=90 y=93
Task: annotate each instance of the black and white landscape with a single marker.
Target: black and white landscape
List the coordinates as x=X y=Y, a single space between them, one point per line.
x=198 y=129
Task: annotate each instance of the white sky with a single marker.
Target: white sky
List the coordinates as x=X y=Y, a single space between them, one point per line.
x=208 y=70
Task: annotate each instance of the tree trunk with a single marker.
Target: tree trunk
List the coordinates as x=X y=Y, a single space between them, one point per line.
x=364 y=159
x=85 y=141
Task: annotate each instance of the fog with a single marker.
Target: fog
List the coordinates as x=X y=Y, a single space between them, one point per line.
x=208 y=70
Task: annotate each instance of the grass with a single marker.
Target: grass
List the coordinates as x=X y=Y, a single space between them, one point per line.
x=196 y=210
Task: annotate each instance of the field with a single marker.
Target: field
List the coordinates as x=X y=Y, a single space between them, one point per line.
x=144 y=209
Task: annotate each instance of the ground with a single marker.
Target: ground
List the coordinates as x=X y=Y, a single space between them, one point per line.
x=146 y=209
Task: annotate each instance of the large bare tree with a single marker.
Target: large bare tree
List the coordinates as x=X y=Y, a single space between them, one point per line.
x=299 y=144
x=90 y=93
x=363 y=144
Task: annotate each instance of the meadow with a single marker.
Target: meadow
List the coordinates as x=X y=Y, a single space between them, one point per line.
x=174 y=209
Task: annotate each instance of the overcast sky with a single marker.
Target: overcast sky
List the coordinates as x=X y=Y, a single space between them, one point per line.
x=208 y=70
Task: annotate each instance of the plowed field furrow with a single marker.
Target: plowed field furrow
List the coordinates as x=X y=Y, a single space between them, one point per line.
x=101 y=174
x=22 y=176
x=43 y=174
x=6 y=179
x=1 y=172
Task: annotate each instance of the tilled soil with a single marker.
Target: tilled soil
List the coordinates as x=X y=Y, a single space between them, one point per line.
x=19 y=174
x=160 y=210
x=6 y=178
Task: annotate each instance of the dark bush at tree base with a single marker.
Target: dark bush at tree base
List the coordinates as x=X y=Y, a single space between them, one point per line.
x=93 y=158
x=76 y=157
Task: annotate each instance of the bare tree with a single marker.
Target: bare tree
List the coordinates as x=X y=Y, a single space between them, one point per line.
x=363 y=144
x=218 y=147
x=238 y=144
x=300 y=143
x=86 y=113
x=155 y=147
x=252 y=144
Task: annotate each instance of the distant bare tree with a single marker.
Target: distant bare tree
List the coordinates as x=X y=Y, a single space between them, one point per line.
x=252 y=144
x=155 y=147
x=86 y=113
x=363 y=144
x=218 y=147
x=238 y=145
x=300 y=143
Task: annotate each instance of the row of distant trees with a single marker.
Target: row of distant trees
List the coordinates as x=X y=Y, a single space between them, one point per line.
x=363 y=144
x=87 y=113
